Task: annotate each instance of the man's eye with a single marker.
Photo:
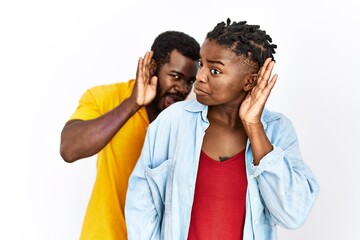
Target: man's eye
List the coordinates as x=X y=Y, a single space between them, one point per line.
x=176 y=77
x=191 y=81
x=214 y=71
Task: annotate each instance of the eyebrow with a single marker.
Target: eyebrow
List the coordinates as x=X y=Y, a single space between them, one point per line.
x=215 y=62
x=179 y=73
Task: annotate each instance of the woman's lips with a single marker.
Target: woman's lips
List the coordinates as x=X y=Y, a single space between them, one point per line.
x=200 y=92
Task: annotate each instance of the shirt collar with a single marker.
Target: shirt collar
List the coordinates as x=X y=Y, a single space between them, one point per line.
x=194 y=106
x=267 y=117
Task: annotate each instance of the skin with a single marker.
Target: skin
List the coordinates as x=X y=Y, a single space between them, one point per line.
x=236 y=93
x=176 y=81
x=81 y=139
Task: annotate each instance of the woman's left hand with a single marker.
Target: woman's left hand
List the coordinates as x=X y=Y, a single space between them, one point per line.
x=254 y=103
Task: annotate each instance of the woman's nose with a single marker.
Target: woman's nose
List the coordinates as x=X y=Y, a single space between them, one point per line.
x=201 y=76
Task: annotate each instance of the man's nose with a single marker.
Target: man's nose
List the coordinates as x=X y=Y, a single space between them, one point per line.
x=183 y=88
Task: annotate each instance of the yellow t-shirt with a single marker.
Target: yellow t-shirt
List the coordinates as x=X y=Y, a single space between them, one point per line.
x=104 y=217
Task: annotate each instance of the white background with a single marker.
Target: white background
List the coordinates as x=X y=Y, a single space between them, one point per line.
x=52 y=51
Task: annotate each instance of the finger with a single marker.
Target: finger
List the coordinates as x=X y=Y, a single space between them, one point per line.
x=151 y=54
x=272 y=82
x=264 y=66
x=139 y=70
x=267 y=68
x=145 y=68
x=264 y=78
x=270 y=86
x=147 y=58
x=261 y=73
x=153 y=82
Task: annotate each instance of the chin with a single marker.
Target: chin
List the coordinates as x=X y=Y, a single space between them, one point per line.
x=200 y=100
x=164 y=106
x=161 y=106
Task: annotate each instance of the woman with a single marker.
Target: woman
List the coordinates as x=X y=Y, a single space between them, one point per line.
x=222 y=166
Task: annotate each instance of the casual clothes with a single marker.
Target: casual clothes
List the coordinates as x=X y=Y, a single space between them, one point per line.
x=104 y=217
x=218 y=210
x=281 y=189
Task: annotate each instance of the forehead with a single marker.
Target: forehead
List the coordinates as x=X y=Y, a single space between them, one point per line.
x=213 y=52
x=180 y=63
x=210 y=50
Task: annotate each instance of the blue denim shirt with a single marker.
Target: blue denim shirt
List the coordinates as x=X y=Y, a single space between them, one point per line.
x=281 y=189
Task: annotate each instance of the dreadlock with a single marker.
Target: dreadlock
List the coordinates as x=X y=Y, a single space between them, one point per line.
x=244 y=39
x=168 y=41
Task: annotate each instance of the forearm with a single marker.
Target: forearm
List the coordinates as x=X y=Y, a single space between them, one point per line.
x=260 y=143
x=287 y=186
x=81 y=139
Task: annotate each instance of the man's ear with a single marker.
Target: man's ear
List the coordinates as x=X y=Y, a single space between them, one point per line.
x=153 y=67
x=250 y=81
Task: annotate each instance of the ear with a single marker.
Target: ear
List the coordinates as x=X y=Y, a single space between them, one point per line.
x=250 y=81
x=153 y=67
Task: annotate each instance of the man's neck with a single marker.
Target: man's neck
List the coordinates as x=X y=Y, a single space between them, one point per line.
x=152 y=111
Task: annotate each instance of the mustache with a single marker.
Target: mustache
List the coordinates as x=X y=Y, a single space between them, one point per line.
x=176 y=96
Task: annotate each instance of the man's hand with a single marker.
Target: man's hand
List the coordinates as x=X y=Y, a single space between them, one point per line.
x=145 y=84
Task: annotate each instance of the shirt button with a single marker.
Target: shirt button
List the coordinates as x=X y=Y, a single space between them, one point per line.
x=255 y=199
x=251 y=176
x=256 y=222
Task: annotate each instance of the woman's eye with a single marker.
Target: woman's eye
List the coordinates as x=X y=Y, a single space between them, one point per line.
x=176 y=77
x=200 y=63
x=214 y=71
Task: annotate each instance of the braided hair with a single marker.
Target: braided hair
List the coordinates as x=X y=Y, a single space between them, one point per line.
x=243 y=39
x=168 y=41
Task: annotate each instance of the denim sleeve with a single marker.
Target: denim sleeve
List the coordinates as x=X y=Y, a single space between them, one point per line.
x=287 y=185
x=141 y=214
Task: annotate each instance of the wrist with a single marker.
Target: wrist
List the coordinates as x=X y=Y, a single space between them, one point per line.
x=253 y=127
x=132 y=104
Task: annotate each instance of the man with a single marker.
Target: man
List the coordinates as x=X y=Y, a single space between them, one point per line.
x=111 y=121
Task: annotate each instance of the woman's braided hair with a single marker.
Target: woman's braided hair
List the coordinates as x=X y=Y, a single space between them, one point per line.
x=244 y=39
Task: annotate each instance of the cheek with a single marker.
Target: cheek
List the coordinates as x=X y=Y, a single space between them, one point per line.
x=219 y=92
x=223 y=87
x=163 y=85
x=225 y=92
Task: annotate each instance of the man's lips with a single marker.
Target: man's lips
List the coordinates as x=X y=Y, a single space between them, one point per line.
x=172 y=98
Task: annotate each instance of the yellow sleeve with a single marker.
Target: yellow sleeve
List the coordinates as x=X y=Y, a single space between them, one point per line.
x=98 y=100
x=89 y=104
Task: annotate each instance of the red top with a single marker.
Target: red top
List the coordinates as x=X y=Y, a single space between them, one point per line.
x=218 y=210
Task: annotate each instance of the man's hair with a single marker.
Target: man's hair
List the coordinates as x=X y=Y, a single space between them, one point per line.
x=244 y=39
x=168 y=41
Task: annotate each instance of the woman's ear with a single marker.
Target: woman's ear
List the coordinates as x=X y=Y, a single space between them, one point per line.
x=250 y=81
x=152 y=67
